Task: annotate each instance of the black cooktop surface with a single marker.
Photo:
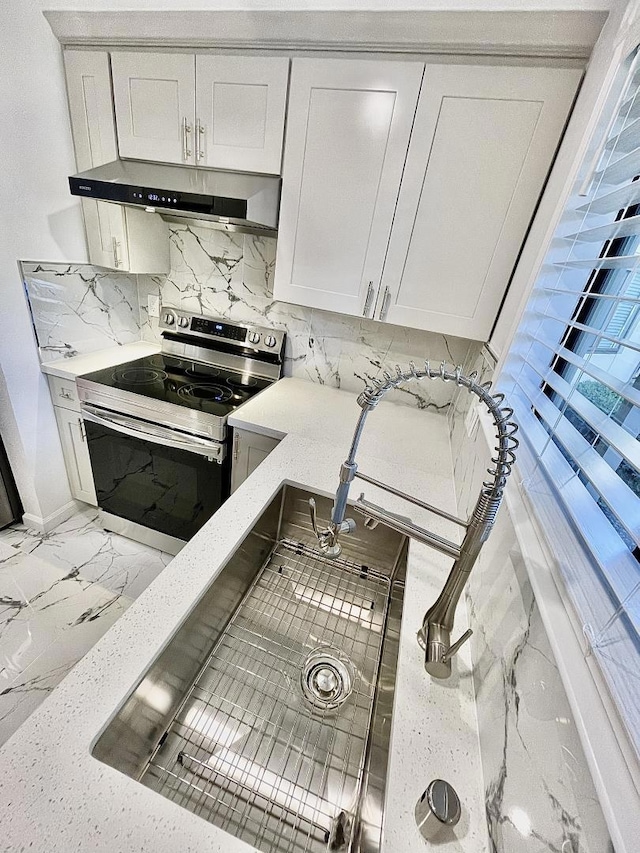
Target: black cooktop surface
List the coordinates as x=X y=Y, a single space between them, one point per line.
x=192 y=384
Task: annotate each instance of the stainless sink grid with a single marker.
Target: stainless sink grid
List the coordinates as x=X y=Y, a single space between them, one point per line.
x=247 y=750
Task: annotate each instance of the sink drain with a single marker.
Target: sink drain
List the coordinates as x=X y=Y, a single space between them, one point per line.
x=326 y=679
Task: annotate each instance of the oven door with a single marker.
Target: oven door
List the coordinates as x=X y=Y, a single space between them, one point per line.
x=154 y=476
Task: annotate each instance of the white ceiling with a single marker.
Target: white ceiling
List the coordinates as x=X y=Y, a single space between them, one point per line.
x=362 y=5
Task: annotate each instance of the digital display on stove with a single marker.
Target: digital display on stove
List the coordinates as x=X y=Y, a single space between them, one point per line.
x=221 y=330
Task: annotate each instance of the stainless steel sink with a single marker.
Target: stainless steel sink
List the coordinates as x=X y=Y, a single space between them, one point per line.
x=268 y=713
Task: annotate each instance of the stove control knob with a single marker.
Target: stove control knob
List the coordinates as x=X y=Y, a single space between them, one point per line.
x=270 y=341
x=254 y=337
x=183 y=322
x=169 y=319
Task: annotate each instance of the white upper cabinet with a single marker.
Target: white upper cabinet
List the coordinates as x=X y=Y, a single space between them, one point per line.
x=240 y=108
x=348 y=128
x=154 y=96
x=483 y=142
x=90 y=108
x=224 y=112
x=118 y=237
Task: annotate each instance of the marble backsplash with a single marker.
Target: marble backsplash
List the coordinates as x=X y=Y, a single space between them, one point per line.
x=77 y=308
x=230 y=275
x=539 y=793
x=81 y=308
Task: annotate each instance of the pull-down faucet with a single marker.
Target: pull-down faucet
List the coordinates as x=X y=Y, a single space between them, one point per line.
x=437 y=624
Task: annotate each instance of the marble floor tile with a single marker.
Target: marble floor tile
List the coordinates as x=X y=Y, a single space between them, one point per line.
x=57 y=646
x=23 y=695
x=59 y=593
x=83 y=550
x=6 y=552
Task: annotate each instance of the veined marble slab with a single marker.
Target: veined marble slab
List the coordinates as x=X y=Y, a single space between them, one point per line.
x=59 y=593
x=78 y=308
x=540 y=797
x=230 y=275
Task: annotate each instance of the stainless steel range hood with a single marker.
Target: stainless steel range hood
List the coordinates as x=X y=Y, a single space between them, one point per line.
x=237 y=198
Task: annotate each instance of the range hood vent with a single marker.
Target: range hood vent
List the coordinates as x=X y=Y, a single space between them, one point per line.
x=236 y=198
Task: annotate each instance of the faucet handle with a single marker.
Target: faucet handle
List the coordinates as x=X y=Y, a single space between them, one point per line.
x=456 y=646
x=314 y=516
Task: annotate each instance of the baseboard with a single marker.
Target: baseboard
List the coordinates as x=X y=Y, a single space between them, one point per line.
x=46 y=524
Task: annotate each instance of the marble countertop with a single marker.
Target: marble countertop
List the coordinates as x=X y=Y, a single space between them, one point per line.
x=60 y=798
x=69 y=368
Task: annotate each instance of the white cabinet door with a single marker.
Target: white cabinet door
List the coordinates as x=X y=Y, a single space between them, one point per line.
x=76 y=455
x=240 y=107
x=106 y=234
x=90 y=107
x=482 y=145
x=154 y=95
x=249 y=450
x=348 y=128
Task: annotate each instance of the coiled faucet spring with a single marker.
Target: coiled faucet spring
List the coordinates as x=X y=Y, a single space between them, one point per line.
x=438 y=621
x=506 y=429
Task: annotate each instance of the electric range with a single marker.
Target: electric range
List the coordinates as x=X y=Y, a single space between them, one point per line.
x=156 y=427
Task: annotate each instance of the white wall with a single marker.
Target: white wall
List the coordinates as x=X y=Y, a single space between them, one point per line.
x=39 y=220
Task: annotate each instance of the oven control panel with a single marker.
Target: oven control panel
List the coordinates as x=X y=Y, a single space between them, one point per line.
x=217 y=329
x=243 y=335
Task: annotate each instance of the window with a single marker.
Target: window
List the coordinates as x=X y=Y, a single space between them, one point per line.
x=573 y=378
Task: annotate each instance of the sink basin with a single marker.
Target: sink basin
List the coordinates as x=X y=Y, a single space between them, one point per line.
x=268 y=712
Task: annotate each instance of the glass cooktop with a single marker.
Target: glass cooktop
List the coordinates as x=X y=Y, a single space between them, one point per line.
x=192 y=384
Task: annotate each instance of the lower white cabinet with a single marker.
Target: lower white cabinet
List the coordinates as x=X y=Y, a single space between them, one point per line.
x=66 y=407
x=249 y=450
x=76 y=455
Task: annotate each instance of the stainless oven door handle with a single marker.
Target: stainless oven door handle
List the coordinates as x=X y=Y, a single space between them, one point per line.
x=155 y=434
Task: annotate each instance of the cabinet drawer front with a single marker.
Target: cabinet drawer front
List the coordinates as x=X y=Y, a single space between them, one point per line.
x=483 y=142
x=64 y=393
x=240 y=107
x=348 y=128
x=154 y=94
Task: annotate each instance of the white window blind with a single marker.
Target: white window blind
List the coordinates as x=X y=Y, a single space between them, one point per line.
x=573 y=378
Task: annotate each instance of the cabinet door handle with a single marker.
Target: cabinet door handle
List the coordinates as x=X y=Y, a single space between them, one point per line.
x=83 y=434
x=367 y=301
x=199 y=141
x=386 y=300
x=116 y=256
x=236 y=445
x=186 y=131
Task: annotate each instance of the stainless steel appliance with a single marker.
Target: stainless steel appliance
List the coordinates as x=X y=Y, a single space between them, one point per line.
x=235 y=198
x=156 y=427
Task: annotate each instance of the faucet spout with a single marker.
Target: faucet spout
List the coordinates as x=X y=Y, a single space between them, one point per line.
x=438 y=621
